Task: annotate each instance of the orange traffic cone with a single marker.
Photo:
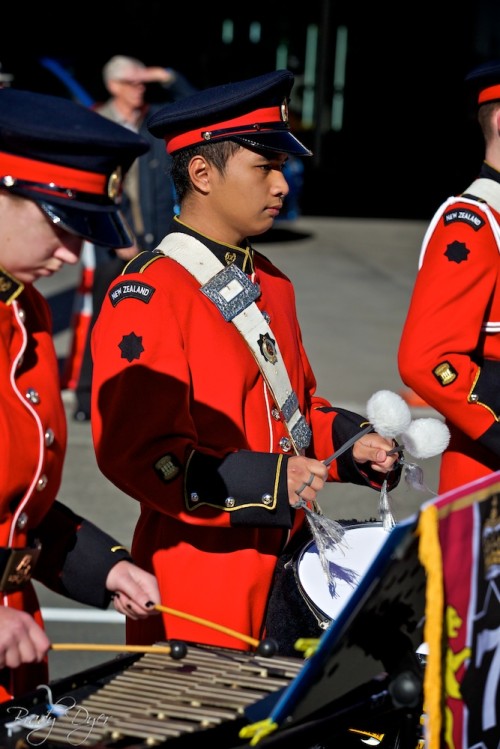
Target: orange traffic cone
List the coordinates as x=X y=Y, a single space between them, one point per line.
x=412 y=399
x=80 y=321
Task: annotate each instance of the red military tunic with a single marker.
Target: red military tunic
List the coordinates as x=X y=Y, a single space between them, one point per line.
x=34 y=433
x=33 y=428
x=450 y=346
x=184 y=422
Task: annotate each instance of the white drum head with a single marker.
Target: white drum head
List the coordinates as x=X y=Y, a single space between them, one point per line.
x=352 y=557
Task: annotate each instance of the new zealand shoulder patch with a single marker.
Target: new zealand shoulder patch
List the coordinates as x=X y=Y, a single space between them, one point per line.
x=465 y=216
x=130 y=290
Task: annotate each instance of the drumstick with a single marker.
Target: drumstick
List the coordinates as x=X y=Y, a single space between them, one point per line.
x=396 y=449
x=266 y=647
x=388 y=415
x=350 y=442
x=112 y=648
x=206 y=623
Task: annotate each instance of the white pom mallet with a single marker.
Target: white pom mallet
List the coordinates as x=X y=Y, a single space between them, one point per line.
x=388 y=414
x=425 y=438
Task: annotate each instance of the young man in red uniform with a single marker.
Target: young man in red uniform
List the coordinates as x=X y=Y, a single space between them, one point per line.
x=449 y=352
x=60 y=168
x=204 y=406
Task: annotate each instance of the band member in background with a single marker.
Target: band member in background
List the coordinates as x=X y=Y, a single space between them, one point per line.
x=60 y=173
x=148 y=198
x=449 y=352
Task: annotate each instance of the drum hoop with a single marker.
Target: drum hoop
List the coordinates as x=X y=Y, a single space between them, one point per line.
x=298 y=553
x=321 y=616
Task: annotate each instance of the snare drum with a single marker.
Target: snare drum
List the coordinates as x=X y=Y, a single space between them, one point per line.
x=350 y=559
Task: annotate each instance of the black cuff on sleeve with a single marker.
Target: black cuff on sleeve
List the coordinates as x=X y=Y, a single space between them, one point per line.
x=346 y=425
x=251 y=486
x=76 y=557
x=486 y=390
x=491 y=438
x=88 y=564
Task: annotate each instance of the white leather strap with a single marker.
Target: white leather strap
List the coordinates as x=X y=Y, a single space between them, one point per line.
x=486 y=189
x=233 y=293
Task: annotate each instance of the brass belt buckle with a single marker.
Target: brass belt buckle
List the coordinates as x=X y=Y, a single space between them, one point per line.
x=19 y=566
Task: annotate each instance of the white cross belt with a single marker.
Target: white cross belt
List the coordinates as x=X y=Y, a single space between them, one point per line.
x=234 y=295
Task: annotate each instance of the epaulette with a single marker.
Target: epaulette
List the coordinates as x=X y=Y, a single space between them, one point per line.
x=140 y=262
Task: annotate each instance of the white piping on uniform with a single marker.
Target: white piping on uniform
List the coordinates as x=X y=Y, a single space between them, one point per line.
x=27 y=404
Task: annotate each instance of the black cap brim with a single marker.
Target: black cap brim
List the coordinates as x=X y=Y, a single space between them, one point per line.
x=103 y=225
x=276 y=141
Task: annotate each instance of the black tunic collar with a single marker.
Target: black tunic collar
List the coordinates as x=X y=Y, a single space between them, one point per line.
x=10 y=287
x=489 y=172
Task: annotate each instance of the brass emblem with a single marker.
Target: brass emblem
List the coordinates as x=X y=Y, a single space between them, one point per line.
x=114 y=183
x=5 y=284
x=10 y=287
x=167 y=467
x=22 y=572
x=445 y=373
x=18 y=569
x=284 y=111
x=268 y=348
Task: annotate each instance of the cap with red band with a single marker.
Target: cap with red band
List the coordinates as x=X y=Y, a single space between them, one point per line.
x=491 y=93
x=53 y=179
x=253 y=112
x=69 y=160
x=258 y=121
x=483 y=82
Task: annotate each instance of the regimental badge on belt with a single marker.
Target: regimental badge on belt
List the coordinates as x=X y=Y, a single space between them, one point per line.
x=267 y=347
x=16 y=567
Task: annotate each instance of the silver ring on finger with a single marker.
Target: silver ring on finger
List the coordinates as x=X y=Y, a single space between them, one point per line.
x=310 y=480
x=299 y=491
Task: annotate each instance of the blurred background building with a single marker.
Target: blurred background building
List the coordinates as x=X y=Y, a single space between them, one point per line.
x=378 y=97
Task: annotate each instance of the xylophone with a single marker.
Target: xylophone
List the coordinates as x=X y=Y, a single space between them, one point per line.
x=152 y=700
x=361 y=684
x=204 y=699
